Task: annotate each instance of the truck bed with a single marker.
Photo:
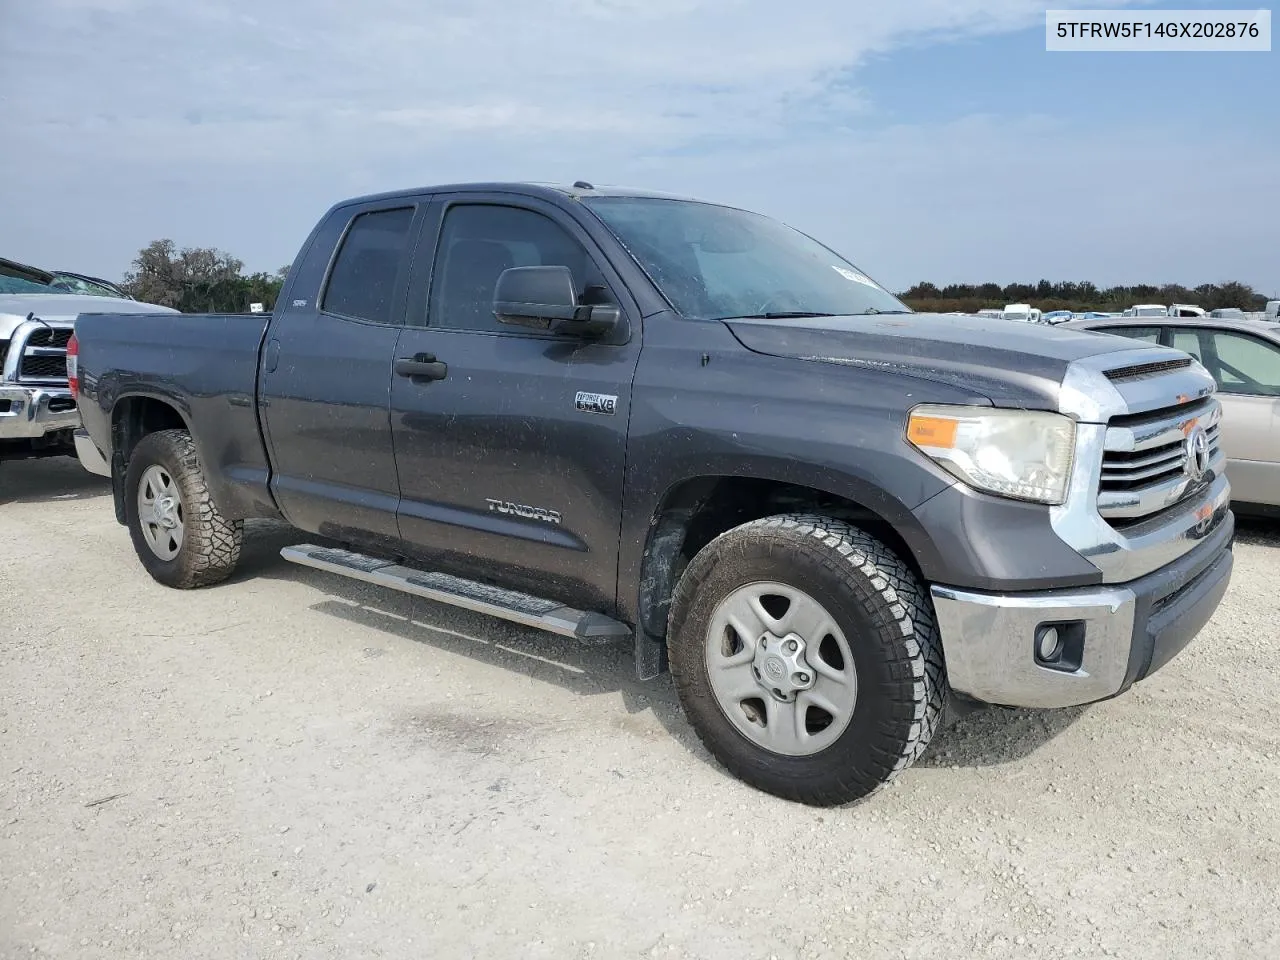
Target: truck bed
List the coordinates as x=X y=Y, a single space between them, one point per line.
x=205 y=366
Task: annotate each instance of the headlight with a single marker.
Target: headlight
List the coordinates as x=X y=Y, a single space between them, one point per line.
x=1021 y=454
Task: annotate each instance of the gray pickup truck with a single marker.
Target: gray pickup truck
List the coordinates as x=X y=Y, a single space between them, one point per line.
x=618 y=416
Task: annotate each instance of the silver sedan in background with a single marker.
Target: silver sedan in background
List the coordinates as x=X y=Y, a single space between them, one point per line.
x=1244 y=358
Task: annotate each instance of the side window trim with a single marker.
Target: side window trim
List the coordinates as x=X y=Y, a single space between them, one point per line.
x=421 y=297
x=417 y=205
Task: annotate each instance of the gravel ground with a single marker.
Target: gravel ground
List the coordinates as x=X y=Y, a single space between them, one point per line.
x=291 y=765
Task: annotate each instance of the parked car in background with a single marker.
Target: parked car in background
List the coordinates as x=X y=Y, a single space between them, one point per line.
x=1228 y=313
x=38 y=414
x=1186 y=310
x=1243 y=356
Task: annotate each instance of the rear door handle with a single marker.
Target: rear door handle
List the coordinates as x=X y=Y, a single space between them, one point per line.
x=273 y=355
x=421 y=366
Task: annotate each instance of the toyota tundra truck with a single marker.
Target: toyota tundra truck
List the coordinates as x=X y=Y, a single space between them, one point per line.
x=625 y=417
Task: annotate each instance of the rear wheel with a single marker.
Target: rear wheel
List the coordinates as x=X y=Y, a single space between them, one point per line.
x=806 y=658
x=178 y=532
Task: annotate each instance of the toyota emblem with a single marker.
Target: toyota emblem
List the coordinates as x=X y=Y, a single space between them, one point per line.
x=1197 y=454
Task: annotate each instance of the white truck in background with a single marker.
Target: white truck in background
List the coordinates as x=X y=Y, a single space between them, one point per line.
x=38 y=414
x=1147 y=310
x=1021 y=311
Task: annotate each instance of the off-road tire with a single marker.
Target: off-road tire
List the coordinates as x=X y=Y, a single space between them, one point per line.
x=210 y=543
x=887 y=617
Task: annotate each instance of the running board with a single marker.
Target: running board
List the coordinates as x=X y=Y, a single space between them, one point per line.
x=494 y=601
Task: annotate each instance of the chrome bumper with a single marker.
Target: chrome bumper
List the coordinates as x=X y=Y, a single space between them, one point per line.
x=28 y=413
x=90 y=456
x=1109 y=637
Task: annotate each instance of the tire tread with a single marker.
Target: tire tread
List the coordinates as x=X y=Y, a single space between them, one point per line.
x=892 y=598
x=211 y=542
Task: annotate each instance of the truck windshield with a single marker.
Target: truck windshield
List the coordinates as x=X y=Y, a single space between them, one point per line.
x=718 y=263
x=18 y=285
x=74 y=283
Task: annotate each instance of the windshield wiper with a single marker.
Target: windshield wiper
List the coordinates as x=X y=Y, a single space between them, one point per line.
x=873 y=312
x=779 y=315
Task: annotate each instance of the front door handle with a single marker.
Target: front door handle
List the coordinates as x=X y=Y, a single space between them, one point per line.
x=421 y=366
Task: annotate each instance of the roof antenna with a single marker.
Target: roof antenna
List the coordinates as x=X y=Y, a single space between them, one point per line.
x=582 y=185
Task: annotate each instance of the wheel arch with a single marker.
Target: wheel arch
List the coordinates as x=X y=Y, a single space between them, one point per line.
x=694 y=511
x=134 y=416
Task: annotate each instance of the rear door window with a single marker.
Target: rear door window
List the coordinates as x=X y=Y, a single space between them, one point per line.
x=363 y=282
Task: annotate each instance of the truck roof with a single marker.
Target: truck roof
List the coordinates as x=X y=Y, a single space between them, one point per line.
x=546 y=191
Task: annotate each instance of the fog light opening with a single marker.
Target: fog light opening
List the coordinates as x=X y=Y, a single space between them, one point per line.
x=1059 y=645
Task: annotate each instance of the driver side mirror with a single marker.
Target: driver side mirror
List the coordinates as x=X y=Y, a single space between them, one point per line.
x=544 y=298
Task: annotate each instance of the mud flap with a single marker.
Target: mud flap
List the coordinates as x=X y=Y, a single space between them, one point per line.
x=651 y=656
x=117 y=486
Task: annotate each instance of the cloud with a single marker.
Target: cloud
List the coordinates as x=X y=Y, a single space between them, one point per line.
x=985 y=198
x=670 y=70
x=237 y=123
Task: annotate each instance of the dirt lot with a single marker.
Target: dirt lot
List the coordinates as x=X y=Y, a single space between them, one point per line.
x=291 y=765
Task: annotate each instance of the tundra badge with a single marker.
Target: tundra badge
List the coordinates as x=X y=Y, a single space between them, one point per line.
x=605 y=403
x=522 y=510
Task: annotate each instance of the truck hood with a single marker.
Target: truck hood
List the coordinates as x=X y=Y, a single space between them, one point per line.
x=1012 y=363
x=63 y=308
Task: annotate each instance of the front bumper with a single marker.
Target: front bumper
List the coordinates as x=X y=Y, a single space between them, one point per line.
x=1110 y=637
x=28 y=413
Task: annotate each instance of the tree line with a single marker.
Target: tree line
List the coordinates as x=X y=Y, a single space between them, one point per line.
x=206 y=280
x=199 y=280
x=1078 y=297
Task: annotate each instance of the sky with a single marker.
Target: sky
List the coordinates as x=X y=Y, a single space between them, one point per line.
x=923 y=139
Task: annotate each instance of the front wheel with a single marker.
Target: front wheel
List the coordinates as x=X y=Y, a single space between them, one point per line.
x=805 y=655
x=178 y=532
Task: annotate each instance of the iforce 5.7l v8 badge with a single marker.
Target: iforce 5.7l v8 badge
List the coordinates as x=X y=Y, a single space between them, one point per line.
x=605 y=403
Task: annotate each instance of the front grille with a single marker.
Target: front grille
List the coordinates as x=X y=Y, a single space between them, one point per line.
x=1144 y=464
x=43 y=367
x=57 y=337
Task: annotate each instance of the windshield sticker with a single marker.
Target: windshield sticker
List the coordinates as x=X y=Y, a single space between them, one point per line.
x=855 y=276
